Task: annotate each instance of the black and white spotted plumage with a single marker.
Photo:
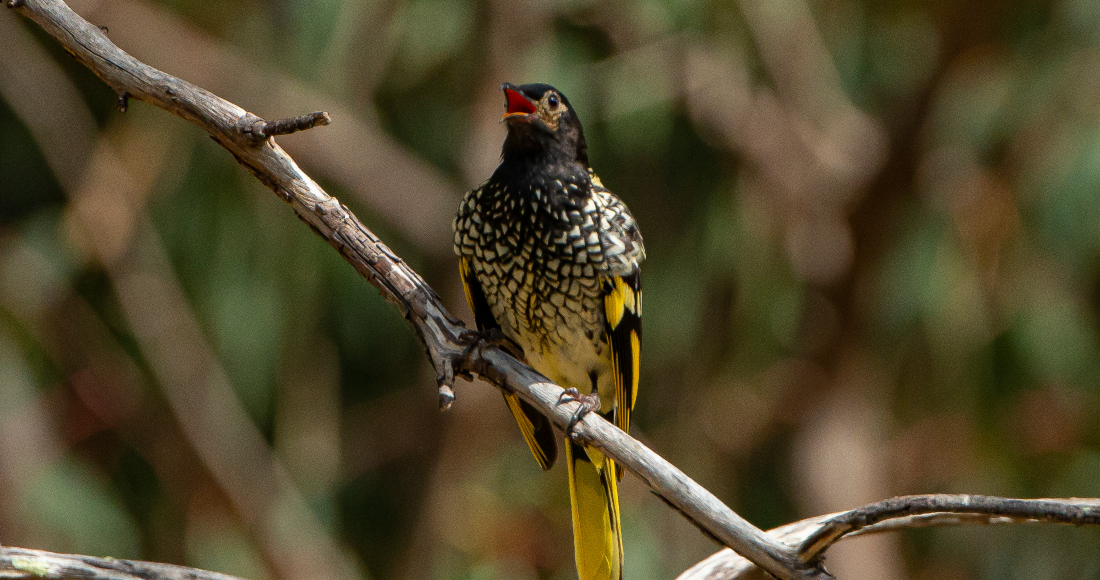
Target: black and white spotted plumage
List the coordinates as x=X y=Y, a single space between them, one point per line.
x=544 y=243
x=552 y=258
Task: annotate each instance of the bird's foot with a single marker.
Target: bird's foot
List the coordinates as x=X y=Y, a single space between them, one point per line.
x=589 y=403
x=474 y=340
x=491 y=337
x=495 y=337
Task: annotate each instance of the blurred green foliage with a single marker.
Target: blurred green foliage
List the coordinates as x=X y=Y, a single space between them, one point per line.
x=873 y=232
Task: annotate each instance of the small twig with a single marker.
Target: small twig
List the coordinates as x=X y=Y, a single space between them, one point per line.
x=261 y=130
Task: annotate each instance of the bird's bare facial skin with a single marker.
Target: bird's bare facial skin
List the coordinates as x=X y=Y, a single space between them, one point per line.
x=550 y=109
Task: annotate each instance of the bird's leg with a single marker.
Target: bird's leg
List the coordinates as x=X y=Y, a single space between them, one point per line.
x=589 y=403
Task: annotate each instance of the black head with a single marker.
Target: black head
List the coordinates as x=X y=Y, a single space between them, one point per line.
x=541 y=122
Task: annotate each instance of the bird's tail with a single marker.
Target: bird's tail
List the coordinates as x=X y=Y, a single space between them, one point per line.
x=594 y=495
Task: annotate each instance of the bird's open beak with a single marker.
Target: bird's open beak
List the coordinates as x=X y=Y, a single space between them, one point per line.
x=518 y=105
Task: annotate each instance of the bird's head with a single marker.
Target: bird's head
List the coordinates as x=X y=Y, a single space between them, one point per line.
x=541 y=122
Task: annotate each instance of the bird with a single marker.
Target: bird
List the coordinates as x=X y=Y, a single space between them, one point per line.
x=550 y=262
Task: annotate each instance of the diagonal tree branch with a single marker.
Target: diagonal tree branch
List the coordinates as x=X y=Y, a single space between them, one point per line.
x=448 y=344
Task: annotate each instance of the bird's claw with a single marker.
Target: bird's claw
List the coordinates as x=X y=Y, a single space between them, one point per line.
x=589 y=403
x=495 y=337
x=491 y=337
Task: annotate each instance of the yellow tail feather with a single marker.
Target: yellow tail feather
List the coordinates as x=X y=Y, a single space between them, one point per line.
x=594 y=495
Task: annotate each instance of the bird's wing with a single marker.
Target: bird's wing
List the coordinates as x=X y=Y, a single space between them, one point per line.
x=536 y=428
x=623 y=255
x=623 y=311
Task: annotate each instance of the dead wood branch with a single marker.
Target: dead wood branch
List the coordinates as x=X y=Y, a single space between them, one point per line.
x=947 y=510
x=23 y=564
x=814 y=535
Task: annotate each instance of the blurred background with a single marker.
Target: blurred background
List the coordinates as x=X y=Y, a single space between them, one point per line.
x=873 y=231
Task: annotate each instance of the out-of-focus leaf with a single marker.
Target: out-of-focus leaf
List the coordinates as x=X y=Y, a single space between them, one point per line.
x=77 y=512
x=428 y=32
x=220 y=545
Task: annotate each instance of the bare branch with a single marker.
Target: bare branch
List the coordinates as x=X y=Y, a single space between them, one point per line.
x=24 y=564
x=726 y=564
x=446 y=341
x=814 y=535
x=979 y=509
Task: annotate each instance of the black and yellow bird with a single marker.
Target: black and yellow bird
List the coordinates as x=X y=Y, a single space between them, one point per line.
x=551 y=259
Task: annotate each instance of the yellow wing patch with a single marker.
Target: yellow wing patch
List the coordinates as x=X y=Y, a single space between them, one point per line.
x=629 y=299
x=613 y=306
x=464 y=270
x=622 y=308
x=636 y=359
x=620 y=299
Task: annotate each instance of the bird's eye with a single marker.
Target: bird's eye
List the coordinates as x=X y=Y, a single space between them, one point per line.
x=552 y=101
